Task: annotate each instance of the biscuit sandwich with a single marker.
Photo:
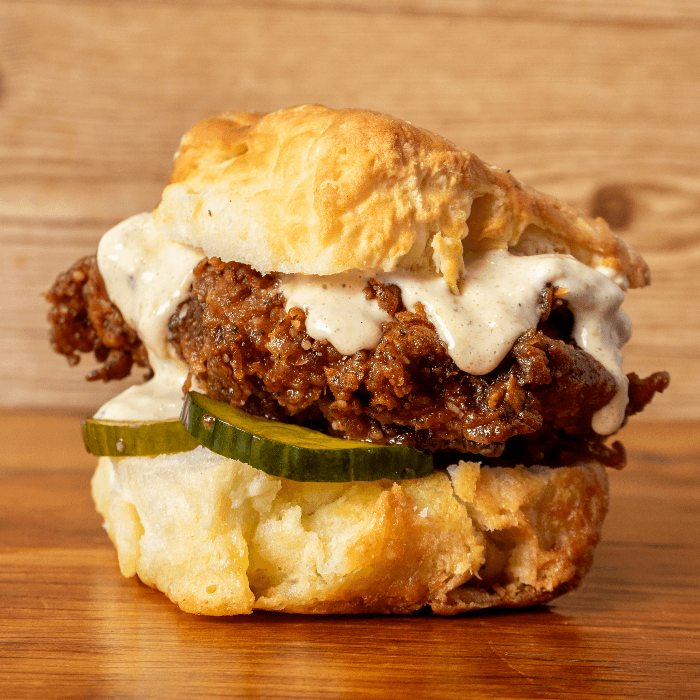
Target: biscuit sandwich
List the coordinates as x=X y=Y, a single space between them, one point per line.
x=382 y=374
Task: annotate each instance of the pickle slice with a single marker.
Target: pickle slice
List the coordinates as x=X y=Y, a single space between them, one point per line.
x=113 y=438
x=293 y=452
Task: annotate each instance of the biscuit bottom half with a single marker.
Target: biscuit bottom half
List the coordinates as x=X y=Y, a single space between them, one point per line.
x=219 y=537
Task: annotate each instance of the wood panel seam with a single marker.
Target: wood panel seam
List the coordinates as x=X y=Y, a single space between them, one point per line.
x=686 y=22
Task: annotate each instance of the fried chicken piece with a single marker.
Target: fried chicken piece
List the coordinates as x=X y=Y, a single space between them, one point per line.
x=239 y=341
x=83 y=319
x=245 y=349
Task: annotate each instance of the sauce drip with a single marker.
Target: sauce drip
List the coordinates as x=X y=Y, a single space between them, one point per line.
x=337 y=309
x=146 y=277
x=160 y=398
x=498 y=302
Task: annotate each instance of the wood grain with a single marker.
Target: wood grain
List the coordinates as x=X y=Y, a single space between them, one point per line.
x=596 y=102
x=72 y=627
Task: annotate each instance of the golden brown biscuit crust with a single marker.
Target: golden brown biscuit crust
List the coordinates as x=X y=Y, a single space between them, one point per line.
x=319 y=191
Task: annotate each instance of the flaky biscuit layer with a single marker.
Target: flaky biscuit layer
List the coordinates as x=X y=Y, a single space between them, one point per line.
x=320 y=191
x=219 y=537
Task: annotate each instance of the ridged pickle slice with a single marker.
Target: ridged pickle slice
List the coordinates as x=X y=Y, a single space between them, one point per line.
x=131 y=439
x=294 y=452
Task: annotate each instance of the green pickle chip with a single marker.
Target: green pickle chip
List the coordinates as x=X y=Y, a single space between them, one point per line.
x=294 y=452
x=131 y=439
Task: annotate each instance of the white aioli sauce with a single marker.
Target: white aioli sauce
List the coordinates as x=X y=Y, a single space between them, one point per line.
x=160 y=398
x=498 y=303
x=146 y=277
x=337 y=309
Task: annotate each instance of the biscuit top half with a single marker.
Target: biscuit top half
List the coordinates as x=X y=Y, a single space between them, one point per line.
x=319 y=191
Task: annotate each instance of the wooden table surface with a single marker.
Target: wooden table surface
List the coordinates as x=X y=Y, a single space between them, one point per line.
x=72 y=627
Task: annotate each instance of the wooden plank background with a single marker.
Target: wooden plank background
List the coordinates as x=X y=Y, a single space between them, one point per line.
x=597 y=102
